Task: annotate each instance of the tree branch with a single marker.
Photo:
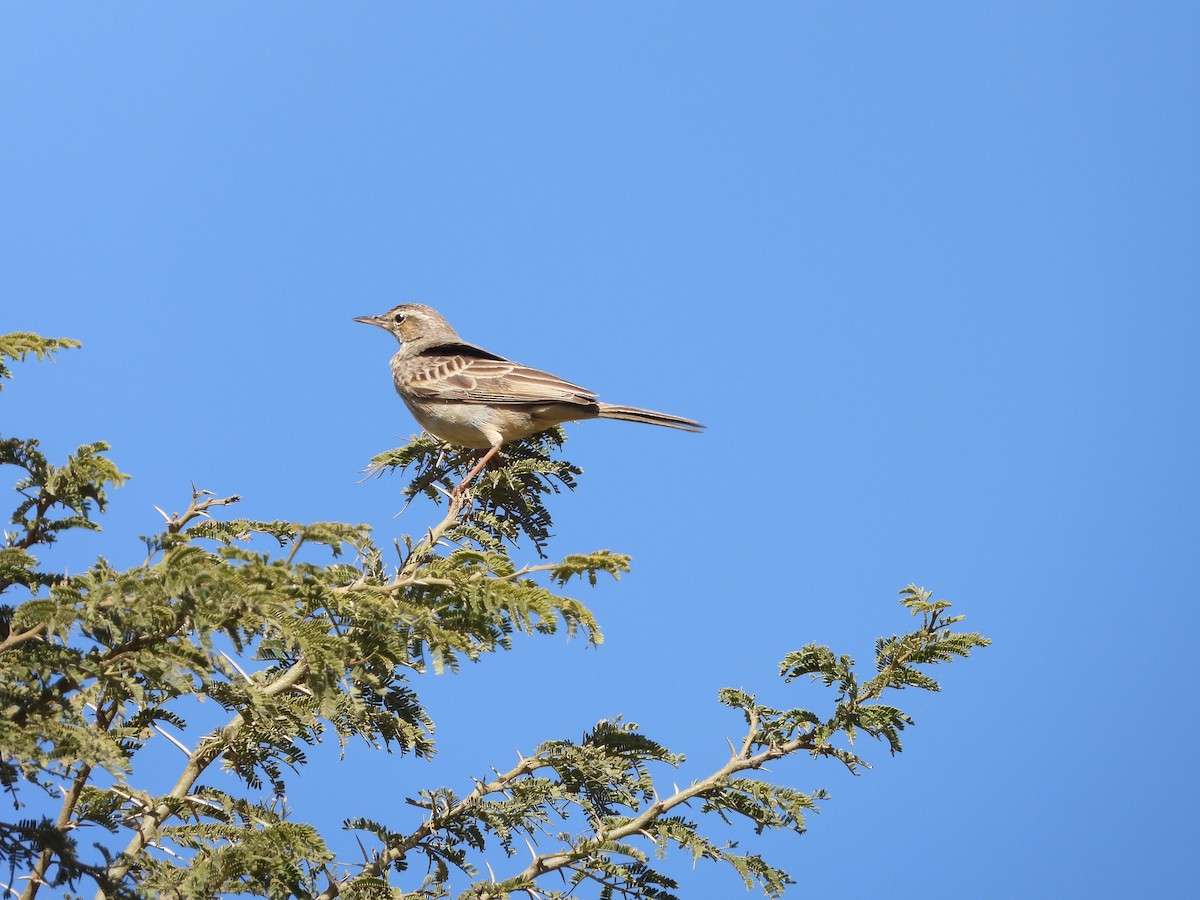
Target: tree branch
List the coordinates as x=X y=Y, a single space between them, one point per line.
x=207 y=752
x=564 y=859
x=434 y=823
x=67 y=812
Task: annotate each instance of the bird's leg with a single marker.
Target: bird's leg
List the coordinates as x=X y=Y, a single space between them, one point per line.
x=483 y=461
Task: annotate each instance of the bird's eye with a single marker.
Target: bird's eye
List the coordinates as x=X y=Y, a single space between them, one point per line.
x=398 y=318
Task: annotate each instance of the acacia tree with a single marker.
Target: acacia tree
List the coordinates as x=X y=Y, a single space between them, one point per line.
x=319 y=636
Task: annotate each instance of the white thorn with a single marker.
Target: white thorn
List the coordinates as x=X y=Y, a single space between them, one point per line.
x=186 y=752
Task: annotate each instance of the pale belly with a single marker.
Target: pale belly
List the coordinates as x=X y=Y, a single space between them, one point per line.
x=479 y=425
x=468 y=425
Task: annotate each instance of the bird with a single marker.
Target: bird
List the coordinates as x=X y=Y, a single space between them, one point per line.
x=471 y=397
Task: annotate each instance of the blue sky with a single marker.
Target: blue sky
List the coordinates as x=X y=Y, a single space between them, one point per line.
x=927 y=271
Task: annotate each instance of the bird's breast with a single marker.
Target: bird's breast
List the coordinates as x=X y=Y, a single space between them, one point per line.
x=464 y=424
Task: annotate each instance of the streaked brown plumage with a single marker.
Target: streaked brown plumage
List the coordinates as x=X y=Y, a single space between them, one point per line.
x=468 y=396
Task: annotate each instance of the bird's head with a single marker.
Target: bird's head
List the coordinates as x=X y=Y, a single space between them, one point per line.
x=413 y=323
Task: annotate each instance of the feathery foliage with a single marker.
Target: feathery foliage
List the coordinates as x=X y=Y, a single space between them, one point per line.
x=510 y=496
x=303 y=633
x=20 y=344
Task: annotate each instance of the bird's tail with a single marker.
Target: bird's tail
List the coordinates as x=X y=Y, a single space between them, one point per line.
x=648 y=416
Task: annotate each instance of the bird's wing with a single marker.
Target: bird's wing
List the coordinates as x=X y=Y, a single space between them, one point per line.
x=468 y=378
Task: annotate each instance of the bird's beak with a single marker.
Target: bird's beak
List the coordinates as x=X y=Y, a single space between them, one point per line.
x=371 y=320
